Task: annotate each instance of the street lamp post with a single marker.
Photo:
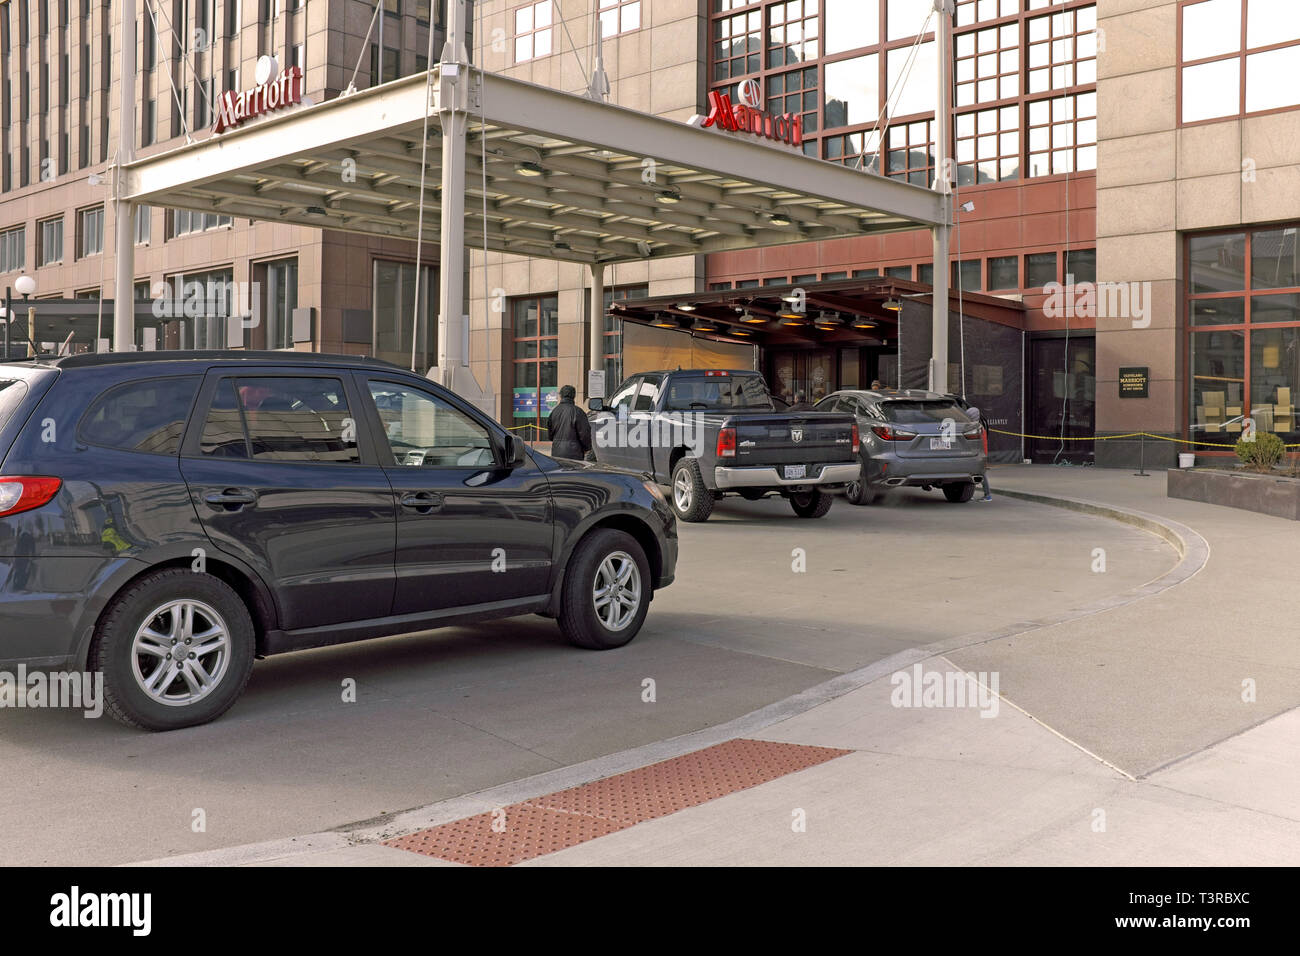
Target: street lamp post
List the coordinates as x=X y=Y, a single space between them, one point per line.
x=25 y=285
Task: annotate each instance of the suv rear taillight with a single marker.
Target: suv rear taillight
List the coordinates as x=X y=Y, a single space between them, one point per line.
x=979 y=435
x=890 y=433
x=24 y=494
x=726 y=443
x=857 y=439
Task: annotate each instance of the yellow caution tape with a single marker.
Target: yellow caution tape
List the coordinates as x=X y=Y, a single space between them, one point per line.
x=1179 y=441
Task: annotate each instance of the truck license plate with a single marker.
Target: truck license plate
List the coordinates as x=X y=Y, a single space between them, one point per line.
x=795 y=471
x=940 y=444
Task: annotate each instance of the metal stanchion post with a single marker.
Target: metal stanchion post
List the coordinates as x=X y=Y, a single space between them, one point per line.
x=1142 y=447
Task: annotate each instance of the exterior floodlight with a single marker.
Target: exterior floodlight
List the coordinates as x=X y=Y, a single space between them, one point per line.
x=968 y=206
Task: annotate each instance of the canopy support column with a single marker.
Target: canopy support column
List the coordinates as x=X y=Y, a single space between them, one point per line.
x=944 y=170
x=596 y=340
x=124 y=212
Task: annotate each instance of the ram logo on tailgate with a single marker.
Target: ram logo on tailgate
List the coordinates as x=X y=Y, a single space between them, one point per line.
x=796 y=434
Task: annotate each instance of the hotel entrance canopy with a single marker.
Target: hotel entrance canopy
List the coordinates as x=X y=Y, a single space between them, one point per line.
x=564 y=177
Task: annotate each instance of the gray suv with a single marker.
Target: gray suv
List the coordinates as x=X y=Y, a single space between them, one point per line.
x=168 y=517
x=915 y=438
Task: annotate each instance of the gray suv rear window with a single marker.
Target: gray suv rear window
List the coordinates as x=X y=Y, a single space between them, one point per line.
x=146 y=416
x=922 y=412
x=12 y=393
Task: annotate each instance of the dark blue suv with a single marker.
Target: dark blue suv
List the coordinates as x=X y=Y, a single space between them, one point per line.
x=166 y=517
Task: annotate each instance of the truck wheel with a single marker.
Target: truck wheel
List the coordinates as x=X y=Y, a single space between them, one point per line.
x=691 y=500
x=176 y=649
x=959 y=493
x=606 y=591
x=811 y=504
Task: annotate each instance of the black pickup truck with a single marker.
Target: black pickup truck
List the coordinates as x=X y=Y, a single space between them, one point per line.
x=713 y=432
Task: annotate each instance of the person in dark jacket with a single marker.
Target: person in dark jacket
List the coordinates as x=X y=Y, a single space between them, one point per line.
x=569 y=430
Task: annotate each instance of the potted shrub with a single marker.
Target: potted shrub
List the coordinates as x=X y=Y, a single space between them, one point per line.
x=1257 y=486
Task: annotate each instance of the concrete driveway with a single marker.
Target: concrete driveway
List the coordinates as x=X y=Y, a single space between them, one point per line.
x=454 y=711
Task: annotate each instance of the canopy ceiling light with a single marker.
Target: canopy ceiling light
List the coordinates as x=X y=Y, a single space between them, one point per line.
x=893 y=305
x=749 y=318
x=703 y=325
x=740 y=332
x=793 y=318
x=527 y=167
x=862 y=322
x=791 y=297
x=669 y=196
x=662 y=321
x=686 y=306
x=779 y=219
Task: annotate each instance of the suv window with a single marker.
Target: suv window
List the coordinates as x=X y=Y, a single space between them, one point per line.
x=147 y=416
x=12 y=393
x=424 y=430
x=280 y=419
x=921 y=412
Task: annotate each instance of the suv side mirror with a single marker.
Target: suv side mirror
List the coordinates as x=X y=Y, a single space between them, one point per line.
x=596 y=404
x=516 y=451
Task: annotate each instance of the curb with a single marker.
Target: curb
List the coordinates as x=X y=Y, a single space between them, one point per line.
x=1192 y=549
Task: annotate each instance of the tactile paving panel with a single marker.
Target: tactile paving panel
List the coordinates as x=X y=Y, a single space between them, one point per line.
x=566 y=818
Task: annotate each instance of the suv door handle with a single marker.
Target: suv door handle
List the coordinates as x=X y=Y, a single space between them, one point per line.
x=232 y=499
x=425 y=502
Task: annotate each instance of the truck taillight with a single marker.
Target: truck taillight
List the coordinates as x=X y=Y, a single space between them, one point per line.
x=857 y=439
x=23 y=494
x=726 y=443
x=890 y=433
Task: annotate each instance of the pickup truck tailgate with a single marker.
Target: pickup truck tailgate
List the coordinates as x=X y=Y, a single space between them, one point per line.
x=803 y=438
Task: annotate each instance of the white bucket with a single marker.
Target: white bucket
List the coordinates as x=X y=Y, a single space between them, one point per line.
x=1186 y=459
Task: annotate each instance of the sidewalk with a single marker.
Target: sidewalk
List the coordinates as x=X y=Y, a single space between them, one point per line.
x=1118 y=735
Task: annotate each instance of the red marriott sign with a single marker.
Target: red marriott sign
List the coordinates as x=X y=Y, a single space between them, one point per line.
x=234 y=108
x=786 y=128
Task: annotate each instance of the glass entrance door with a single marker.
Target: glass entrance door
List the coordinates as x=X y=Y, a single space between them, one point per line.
x=1062 y=399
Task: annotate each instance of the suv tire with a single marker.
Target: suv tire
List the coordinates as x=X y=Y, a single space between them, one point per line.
x=603 y=560
x=959 y=492
x=860 y=492
x=691 y=500
x=133 y=649
x=811 y=504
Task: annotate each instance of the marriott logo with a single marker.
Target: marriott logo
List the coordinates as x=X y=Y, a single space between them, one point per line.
x=785 y=128
x=234 y=107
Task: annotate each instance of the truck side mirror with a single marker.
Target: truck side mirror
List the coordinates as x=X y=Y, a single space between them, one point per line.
x=596 y=404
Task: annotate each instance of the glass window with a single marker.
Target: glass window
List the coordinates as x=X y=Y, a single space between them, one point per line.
x=619 y=16
x=91 y=227
x=395 y=295
x=966 y=275
x=907 y=412
x=1214 y=62
x=1220 y=311
x=298 y=419
x=1004 y=272
x=1274 y=259
x=795 y=92
x=851 y=24
x=925 y=273
x=918 y=94
x=143 y=224
x=1040 y=269
x=280 y=289
x=1218 y=263
x=533 y=31
x=1081 y=264
x=626 y=394
x=911 y=152
x=1275 y=379
x=1218 y=360
x=852 y=92
x=13 y=249
x=51 y=236
x=645 y=393
x=905 y=18
x=426 y=431
x=898 y=272
x=536 y=324
x=1062 y=134
x=145 y=416
x=988 y=145
x=737 y=45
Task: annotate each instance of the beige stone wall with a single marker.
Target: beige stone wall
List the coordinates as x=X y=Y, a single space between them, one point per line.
x=657 y=69
x=1156 y=181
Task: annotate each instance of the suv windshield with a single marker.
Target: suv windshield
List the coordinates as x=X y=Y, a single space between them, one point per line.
x=717 y=392
x=921 y=412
